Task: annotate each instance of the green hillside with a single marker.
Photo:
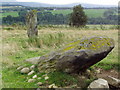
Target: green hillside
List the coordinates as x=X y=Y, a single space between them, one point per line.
x=14 y=14
x=89 y=12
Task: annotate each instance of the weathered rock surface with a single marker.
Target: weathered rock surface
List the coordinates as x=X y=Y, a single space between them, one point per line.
x=113 y=81
x=76 y=56
x=34 y=60
x=99 y=83
x=31 y=22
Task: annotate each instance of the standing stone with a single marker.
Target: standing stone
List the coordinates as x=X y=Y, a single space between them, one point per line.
x=31 y=22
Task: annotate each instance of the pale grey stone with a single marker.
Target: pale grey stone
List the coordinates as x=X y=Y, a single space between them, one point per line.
x=25 y=70
x=19 y=68
x=99 y=83
x=39 y=83
x=30 y=73
x=31 y=80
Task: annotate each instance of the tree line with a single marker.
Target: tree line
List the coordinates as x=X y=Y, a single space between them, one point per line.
x=44 y=17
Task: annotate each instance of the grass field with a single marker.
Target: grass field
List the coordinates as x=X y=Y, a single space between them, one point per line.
x=14 y=14
x=17 y=47
x=89 y=12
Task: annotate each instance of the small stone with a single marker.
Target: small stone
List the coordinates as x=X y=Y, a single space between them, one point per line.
x=98 y=71
x=100 y=83
x=32 y=67
x=39 y=78
x=19 y=68
x=83 y=77
x=35 y=76
x=88 y=71
x=55 y=86
x=51 y=86
x=39 y=83
x=31 y=80
x=46 y=78
x=25 y=70
x=30 y=73
x=45 y=75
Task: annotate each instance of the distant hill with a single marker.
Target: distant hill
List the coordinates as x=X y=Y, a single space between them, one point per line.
x=35 y=4
x=7 y=0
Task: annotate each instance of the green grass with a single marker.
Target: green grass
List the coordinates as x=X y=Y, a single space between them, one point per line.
x=62 y=79
x=64 y=12
x=14 y=14
x=89 y=12
x=17 y=47
x=95 y=12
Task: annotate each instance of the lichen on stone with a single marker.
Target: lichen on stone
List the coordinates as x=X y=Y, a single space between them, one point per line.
x=78 y=55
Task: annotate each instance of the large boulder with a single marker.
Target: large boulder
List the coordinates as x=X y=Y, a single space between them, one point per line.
x=77 y=56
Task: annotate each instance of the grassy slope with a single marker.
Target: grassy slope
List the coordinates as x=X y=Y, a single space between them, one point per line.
x=14 y=14
x=17 y=47
x=89 y=12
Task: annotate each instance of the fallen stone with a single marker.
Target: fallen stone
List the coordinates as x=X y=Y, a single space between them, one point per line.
x=35 y=76
x=25 y=70
x=30 y=73
x=76 y=56
x=31 y=80
x=99 y=83
x=113 y=81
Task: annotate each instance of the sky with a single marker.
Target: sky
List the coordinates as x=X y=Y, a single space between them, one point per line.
x=101 y=2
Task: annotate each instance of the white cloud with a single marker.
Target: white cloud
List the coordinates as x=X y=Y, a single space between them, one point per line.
x=103 y=2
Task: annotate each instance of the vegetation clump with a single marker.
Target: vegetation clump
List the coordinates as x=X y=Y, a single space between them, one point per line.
x=78 y=17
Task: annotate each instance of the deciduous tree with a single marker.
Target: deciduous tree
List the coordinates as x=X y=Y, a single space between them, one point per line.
x=78 y=17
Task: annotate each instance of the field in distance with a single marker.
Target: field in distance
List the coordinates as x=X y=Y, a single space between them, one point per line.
x=89 y=12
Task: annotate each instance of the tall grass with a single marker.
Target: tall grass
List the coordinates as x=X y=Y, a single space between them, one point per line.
x=47 y=40
x=66 y=27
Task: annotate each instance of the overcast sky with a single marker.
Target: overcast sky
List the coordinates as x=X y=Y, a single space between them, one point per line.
x=101 y=2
